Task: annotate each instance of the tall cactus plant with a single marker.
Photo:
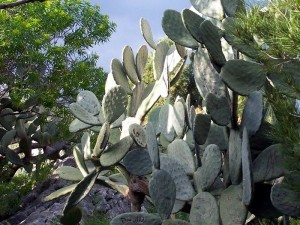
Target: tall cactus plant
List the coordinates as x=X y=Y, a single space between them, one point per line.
x=211 y=163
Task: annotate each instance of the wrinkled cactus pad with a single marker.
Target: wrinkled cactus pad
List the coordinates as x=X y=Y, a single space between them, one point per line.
x=269 y=164
x=184 y=188
x=204 y=210
x=286 y=200
x=180 y=151
x=232 y=209
x=114 y=103
x=116 y=152
x=163 y=192
x=138 y=162
x=138 y=134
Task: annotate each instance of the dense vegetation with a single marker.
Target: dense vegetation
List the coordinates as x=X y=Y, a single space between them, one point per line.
x=243 y=146
x=45 y=61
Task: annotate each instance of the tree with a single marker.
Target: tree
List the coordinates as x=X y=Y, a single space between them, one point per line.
x=45 y=61
x=277 y=30
x=44 y=51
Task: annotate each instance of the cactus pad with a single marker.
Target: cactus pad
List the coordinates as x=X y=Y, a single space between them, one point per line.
x=180 y=151
x=211 y=8
x=165 y=122
x=86 y=145
x=141 y=60
x=13 y=157
x=247 y=169
x=114 y=103
x=217 y=135
x=88 y=101
x=184 y=188
x=8 y=138
x=136 y=218
x=83 y=115
x=80 y=191
x=192 y=22
x=178 y=205
x=119 y=75
x=253 y=112
x=232 y=209
x=160 y=55
x=20 y=128
x=60 y=192
x=138 y=162
x=230 y=6
x=163 y=192
x=102 y=140
x=174 y=28
x=219 y=108
x=116 y=152
x=207 y=78
x=73 y=216
x=77 y=125
x=179 y=118
x=211 y=39
x=242 y=76
x=235 y=156
x=69 y=173
x=201 y=128
x=204 y=210
x=206 y=175
x=147 y=33
x=129 y=64
x=152 y=145
x=286 y=200
x=138 y=134
x=7 y=120
x=79 y=159
x=269 y=164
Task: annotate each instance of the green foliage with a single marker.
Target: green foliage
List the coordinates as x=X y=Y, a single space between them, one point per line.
x=20 y=185
x=277 y=26
x=276 y=31
x=97 y=219
x=44 y=51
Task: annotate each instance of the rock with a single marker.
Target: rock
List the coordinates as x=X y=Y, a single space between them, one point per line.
x=34 y=211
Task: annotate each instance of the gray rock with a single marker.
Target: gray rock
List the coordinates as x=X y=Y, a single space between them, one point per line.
x=34 y=211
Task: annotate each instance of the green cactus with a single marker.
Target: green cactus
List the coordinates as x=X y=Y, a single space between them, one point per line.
x=202 y=162
x=81 y=190
x=231 y=198
x=163 y=192
x=204 y=210
x=120 y=75
x=174 y=28
x=247 y=169
x=138 y=162
x=180 y=151
x=147 y=33
x=69 y=173
x=184 y=188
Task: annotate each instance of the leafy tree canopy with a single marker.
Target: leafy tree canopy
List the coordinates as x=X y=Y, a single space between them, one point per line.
x=44 y=50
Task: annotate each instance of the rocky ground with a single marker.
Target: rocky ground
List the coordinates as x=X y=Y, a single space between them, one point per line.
x=34 y=211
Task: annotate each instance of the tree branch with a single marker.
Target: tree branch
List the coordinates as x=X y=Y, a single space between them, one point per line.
x=17 y=3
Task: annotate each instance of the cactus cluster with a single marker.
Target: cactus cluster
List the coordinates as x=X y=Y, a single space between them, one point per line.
x=22 y=132
x=209 y=163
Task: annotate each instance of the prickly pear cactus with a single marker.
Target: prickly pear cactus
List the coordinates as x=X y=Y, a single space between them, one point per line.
x=204 y=162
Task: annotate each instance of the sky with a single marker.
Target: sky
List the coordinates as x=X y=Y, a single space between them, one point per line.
x=127 y=14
